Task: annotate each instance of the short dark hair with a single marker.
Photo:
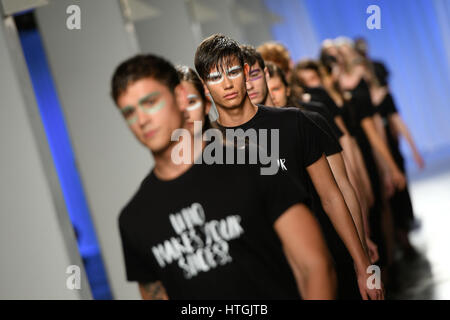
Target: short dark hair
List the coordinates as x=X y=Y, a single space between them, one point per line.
x=276 y=71
x=188 y=74
x=216 y=51
x=251 y=56
x=307 y=64
x=143 y=66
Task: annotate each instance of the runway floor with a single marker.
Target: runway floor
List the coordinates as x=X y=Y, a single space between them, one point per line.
x=428 y=275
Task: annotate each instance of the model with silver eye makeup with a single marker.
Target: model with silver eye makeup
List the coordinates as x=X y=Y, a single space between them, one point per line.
x=183 y=204
x=301 y=153
x=198 y=103
x=257 y=89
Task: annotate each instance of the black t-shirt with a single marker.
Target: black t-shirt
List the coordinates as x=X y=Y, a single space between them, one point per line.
x=381 y=72
x=387 y=106
x=209 y=234
x=300 y=145
x=321 y=117
x=330 y=139
x=320 y=108
x=321 y=95
x=356 y=110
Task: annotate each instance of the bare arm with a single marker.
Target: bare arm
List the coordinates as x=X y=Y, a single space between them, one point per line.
x=388 y=179
x=361 y=170
x=378 y=144
x=337 y=166
x=400 y=126
x=153 y=291
x=336 y=209
x=353 y=155
x=307 y=253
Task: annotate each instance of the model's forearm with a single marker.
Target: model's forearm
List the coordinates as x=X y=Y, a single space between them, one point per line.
x=153 y=291
x=334 y=205
x=320 y=284
x=400 y=126
x=342 y=221
x=361 y=170
x=338 y=167
x=378 y=144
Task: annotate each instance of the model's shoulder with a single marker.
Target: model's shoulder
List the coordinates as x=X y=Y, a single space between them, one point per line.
x=281 y=113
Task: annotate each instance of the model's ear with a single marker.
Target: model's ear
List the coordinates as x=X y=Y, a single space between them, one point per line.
x=181 y=97
x=288 y=91
x=266 y=73
x=205 y=87
x=246 y=72
x=208 y=103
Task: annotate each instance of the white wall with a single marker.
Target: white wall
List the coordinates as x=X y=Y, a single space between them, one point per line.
x=110 y=161
x=37 y=242
x=169 y=34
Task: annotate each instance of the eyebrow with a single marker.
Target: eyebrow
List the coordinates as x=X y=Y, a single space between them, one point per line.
x=214 y=74
x=126 y=108
x=255 y=70
x=234 y=68
x=192 y=95
x=152 y=94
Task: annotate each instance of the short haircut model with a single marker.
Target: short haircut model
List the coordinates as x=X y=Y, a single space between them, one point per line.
x=216 y=51
x=251 y=56
x=140 y=67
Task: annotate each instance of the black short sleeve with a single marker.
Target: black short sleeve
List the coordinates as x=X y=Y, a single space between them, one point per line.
x=321 y=95
x=330 y=144
x=381 y=73
x=136 y=268
x=390 y=105
x=280 y=192
x=331 y=105
x=310 y=140
x=362 y=101
x=320 y=108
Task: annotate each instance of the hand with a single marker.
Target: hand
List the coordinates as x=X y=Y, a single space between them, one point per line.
x=419 y=160
x=366 y=293
x=398 y=179
x=372 y=249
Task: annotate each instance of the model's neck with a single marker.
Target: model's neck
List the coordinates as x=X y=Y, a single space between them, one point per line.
x=237 y=116
x=165 y=167
x=269 y=102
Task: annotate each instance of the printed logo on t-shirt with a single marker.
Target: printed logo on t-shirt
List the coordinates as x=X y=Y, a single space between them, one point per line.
x=200 y=245
x=281 y=164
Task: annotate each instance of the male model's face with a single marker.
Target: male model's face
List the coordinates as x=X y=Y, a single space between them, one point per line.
x=227 y=86
x=197 y=108
x=256 y=84
x=309 y=77
x=152 y=112
x=278 y=91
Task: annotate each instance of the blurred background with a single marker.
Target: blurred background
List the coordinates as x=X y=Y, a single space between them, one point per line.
x=69 y=163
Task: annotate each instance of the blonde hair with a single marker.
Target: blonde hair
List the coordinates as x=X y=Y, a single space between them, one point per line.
x=277 y=53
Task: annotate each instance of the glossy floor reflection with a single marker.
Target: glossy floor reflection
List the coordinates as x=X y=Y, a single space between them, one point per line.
x=428 y=275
